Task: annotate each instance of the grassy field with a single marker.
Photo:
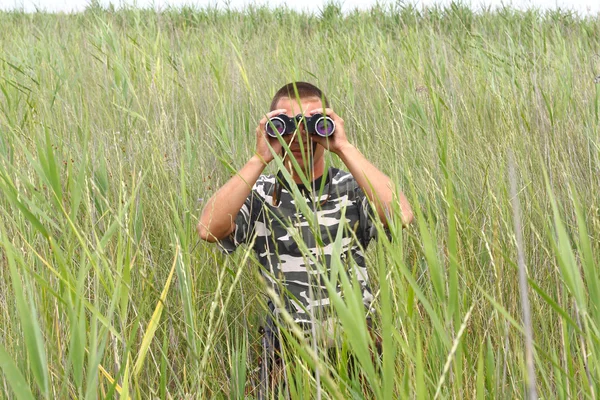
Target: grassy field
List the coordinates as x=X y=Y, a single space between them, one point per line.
x=115 y=125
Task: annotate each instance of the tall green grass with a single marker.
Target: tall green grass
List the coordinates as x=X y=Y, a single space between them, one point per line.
x=115 y=125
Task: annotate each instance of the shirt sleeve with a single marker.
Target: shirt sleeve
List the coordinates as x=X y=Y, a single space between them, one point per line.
x=367 y=229
x=240 y=235
x=368 y=218
x=244 y=222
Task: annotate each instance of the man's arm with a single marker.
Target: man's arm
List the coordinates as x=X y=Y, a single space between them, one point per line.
x=218 y=216
x=376 y=185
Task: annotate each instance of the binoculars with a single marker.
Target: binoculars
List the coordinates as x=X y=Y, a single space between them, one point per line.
x=318 y=124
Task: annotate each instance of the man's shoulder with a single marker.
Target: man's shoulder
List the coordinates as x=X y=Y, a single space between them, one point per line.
x=264 y=185
x=265 y=180
x=342 y=179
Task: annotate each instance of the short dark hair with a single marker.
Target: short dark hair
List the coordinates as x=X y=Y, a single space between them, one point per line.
x=304 y=90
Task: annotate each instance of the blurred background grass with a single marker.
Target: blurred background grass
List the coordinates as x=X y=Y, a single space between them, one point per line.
x=116 y=124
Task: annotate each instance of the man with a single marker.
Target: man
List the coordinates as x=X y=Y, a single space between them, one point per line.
x=263 y=210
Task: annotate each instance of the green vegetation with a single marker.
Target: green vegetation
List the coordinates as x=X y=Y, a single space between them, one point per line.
x=114 y=125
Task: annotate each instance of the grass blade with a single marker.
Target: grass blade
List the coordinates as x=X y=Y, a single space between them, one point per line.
x=153 y=324
x=530 y=378
x=14 y=377
x=29 y=323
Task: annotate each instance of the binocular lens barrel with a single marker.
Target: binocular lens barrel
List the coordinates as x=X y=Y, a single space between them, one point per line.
x=275 y=126
x=324 y=127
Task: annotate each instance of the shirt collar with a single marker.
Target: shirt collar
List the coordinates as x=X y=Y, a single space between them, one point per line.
x=303 y=189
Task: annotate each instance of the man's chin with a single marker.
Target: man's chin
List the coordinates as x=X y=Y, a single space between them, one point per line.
x=302 y=166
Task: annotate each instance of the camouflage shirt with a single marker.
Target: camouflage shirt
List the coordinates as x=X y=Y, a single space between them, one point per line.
x=277 y=229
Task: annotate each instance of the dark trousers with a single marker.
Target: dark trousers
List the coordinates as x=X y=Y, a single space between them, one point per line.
x=271 y=363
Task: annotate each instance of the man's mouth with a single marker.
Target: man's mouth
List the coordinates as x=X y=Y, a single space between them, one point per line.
x=305 y=148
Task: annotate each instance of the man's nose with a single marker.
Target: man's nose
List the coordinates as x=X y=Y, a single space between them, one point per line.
x=301 y=126
x=302 y=129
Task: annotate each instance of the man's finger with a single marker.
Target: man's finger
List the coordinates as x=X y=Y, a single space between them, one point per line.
x=269 y=115
x=274 y=113
x=328 y=111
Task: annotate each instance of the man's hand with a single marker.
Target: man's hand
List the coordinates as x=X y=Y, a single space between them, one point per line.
x=376 y=185
x=336 y=142
x=263 y=140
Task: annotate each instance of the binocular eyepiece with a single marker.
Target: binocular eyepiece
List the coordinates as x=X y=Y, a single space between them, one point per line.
x=317 y=124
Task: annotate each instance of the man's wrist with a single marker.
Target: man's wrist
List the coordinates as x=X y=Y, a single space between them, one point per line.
x=257 y=160
x=346 y=149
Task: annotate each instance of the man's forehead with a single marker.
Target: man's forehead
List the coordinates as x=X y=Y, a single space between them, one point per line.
x=306 y=104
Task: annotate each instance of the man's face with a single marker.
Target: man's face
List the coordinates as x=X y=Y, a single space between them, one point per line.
x=301 y=145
